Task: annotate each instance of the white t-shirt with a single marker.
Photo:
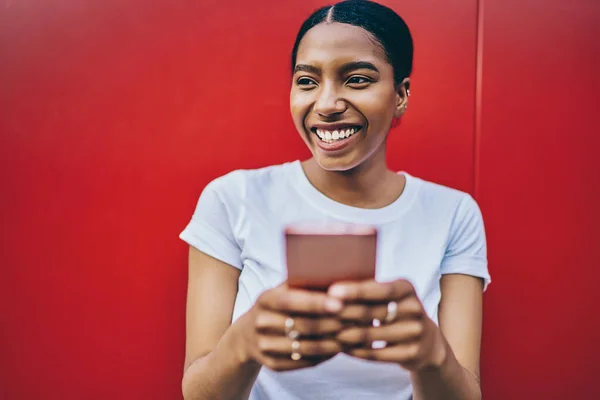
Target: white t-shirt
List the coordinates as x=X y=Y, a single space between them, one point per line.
x=428 y=231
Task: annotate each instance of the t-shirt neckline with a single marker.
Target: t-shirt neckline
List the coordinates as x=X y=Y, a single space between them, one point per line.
x=347 y=213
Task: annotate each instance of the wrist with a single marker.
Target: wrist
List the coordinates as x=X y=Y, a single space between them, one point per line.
x=440 y=350
x=236 y=342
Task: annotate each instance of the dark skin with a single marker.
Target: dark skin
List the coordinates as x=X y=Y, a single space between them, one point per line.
x=330 y=88
x=327 y=90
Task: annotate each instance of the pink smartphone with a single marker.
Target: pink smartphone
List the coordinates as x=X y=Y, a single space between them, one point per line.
x=320 y=254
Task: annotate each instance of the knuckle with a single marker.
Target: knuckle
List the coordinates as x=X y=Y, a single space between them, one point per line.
x=312 y=348
x=365 y=335
x=323 y=347
x=270 y=363
x=359 y=292
x=373 y=313
x=364 y=313
x=415 y=305
x=318 y=305
x=412 y=351
x=334 y=346
x=260 y=322
x=390 y=289
x=342 y=337
x=332 y=325
x=316 y=326
x=418 y=329
x=283 y=301
x=350 y=336
x=304 y=326
x=405 y=284
x=262 y=298
x=263 y=344
x=381 y=312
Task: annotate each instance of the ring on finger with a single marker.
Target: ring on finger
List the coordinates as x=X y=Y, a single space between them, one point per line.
x=290 y=332
x=295 y=354
x=378 y=344
x=392 y=312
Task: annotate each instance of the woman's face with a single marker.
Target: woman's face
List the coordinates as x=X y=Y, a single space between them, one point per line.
x=343 y=96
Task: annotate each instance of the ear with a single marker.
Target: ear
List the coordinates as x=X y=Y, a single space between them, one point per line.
x=402 y=94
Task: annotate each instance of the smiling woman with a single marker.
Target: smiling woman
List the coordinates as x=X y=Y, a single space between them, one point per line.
x=339 y=93
x=344 y=78
x=351 y=74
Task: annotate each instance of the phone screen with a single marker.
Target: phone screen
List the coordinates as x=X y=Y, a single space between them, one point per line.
x=319 y=255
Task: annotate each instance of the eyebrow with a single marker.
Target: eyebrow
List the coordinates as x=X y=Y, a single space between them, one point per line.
x=307 y=68
x=351 y=66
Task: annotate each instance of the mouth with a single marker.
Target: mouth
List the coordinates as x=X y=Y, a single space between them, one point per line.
x=333 y=138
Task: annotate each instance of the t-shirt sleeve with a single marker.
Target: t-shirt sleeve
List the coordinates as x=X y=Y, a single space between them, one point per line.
x=466 y=252
x=211 y=229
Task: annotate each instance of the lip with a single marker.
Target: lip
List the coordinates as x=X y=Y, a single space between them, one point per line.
x=334 y=127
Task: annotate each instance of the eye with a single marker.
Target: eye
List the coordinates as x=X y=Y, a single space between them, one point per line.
x=305 y=83
x=358 y=82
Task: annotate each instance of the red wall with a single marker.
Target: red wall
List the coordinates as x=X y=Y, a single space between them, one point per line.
x=538 y=175
x=115 y=114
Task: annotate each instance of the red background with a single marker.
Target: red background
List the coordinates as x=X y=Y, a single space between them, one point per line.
x=115 y=114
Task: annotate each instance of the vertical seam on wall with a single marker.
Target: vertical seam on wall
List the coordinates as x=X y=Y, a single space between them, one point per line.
x=478 y=98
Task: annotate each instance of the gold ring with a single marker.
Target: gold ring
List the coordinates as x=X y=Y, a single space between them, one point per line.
x=289 y=329
x=295 y=347
x=378 y=344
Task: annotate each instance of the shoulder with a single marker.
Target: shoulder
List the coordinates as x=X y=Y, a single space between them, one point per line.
x=435 y=196
x=241 y=183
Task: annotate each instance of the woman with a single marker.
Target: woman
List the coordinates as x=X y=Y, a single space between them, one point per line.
x=351 y=66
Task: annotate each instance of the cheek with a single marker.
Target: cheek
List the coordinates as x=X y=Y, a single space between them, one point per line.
x=379 y=108
x=299 y=107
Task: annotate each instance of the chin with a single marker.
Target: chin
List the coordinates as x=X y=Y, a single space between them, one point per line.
x=336 y=164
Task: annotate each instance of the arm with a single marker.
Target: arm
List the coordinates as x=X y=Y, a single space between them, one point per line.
x=222 y=359
x=457 y=377
x=213 y=366
x=444 y=361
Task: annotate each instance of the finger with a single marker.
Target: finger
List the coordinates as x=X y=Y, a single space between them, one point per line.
x=371 y=291
x=274 y=323
x=401 y=353
x=282 y=346
x=287 y=364
x=362 y=313
x=409 y=307
x=297 y=301
x=402 y=331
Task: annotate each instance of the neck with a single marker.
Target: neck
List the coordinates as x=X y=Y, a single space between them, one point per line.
x=370 y=185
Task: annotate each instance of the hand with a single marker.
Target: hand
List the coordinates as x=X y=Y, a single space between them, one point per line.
x=286 y=321
x=411 y=338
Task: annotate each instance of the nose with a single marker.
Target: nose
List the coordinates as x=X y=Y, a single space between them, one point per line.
x=329 y=103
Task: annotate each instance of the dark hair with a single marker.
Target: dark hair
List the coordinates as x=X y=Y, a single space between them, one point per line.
x=387 y=28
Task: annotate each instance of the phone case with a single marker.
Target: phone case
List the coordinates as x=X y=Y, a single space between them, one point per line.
x=320 y=254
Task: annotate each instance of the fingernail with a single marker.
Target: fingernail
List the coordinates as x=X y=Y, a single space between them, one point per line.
x=337 y=291
x=333 y=305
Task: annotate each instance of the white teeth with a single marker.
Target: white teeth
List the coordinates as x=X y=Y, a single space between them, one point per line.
x=329 y=136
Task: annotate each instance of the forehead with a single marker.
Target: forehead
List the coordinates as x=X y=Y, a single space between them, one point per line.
x=332 y=42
